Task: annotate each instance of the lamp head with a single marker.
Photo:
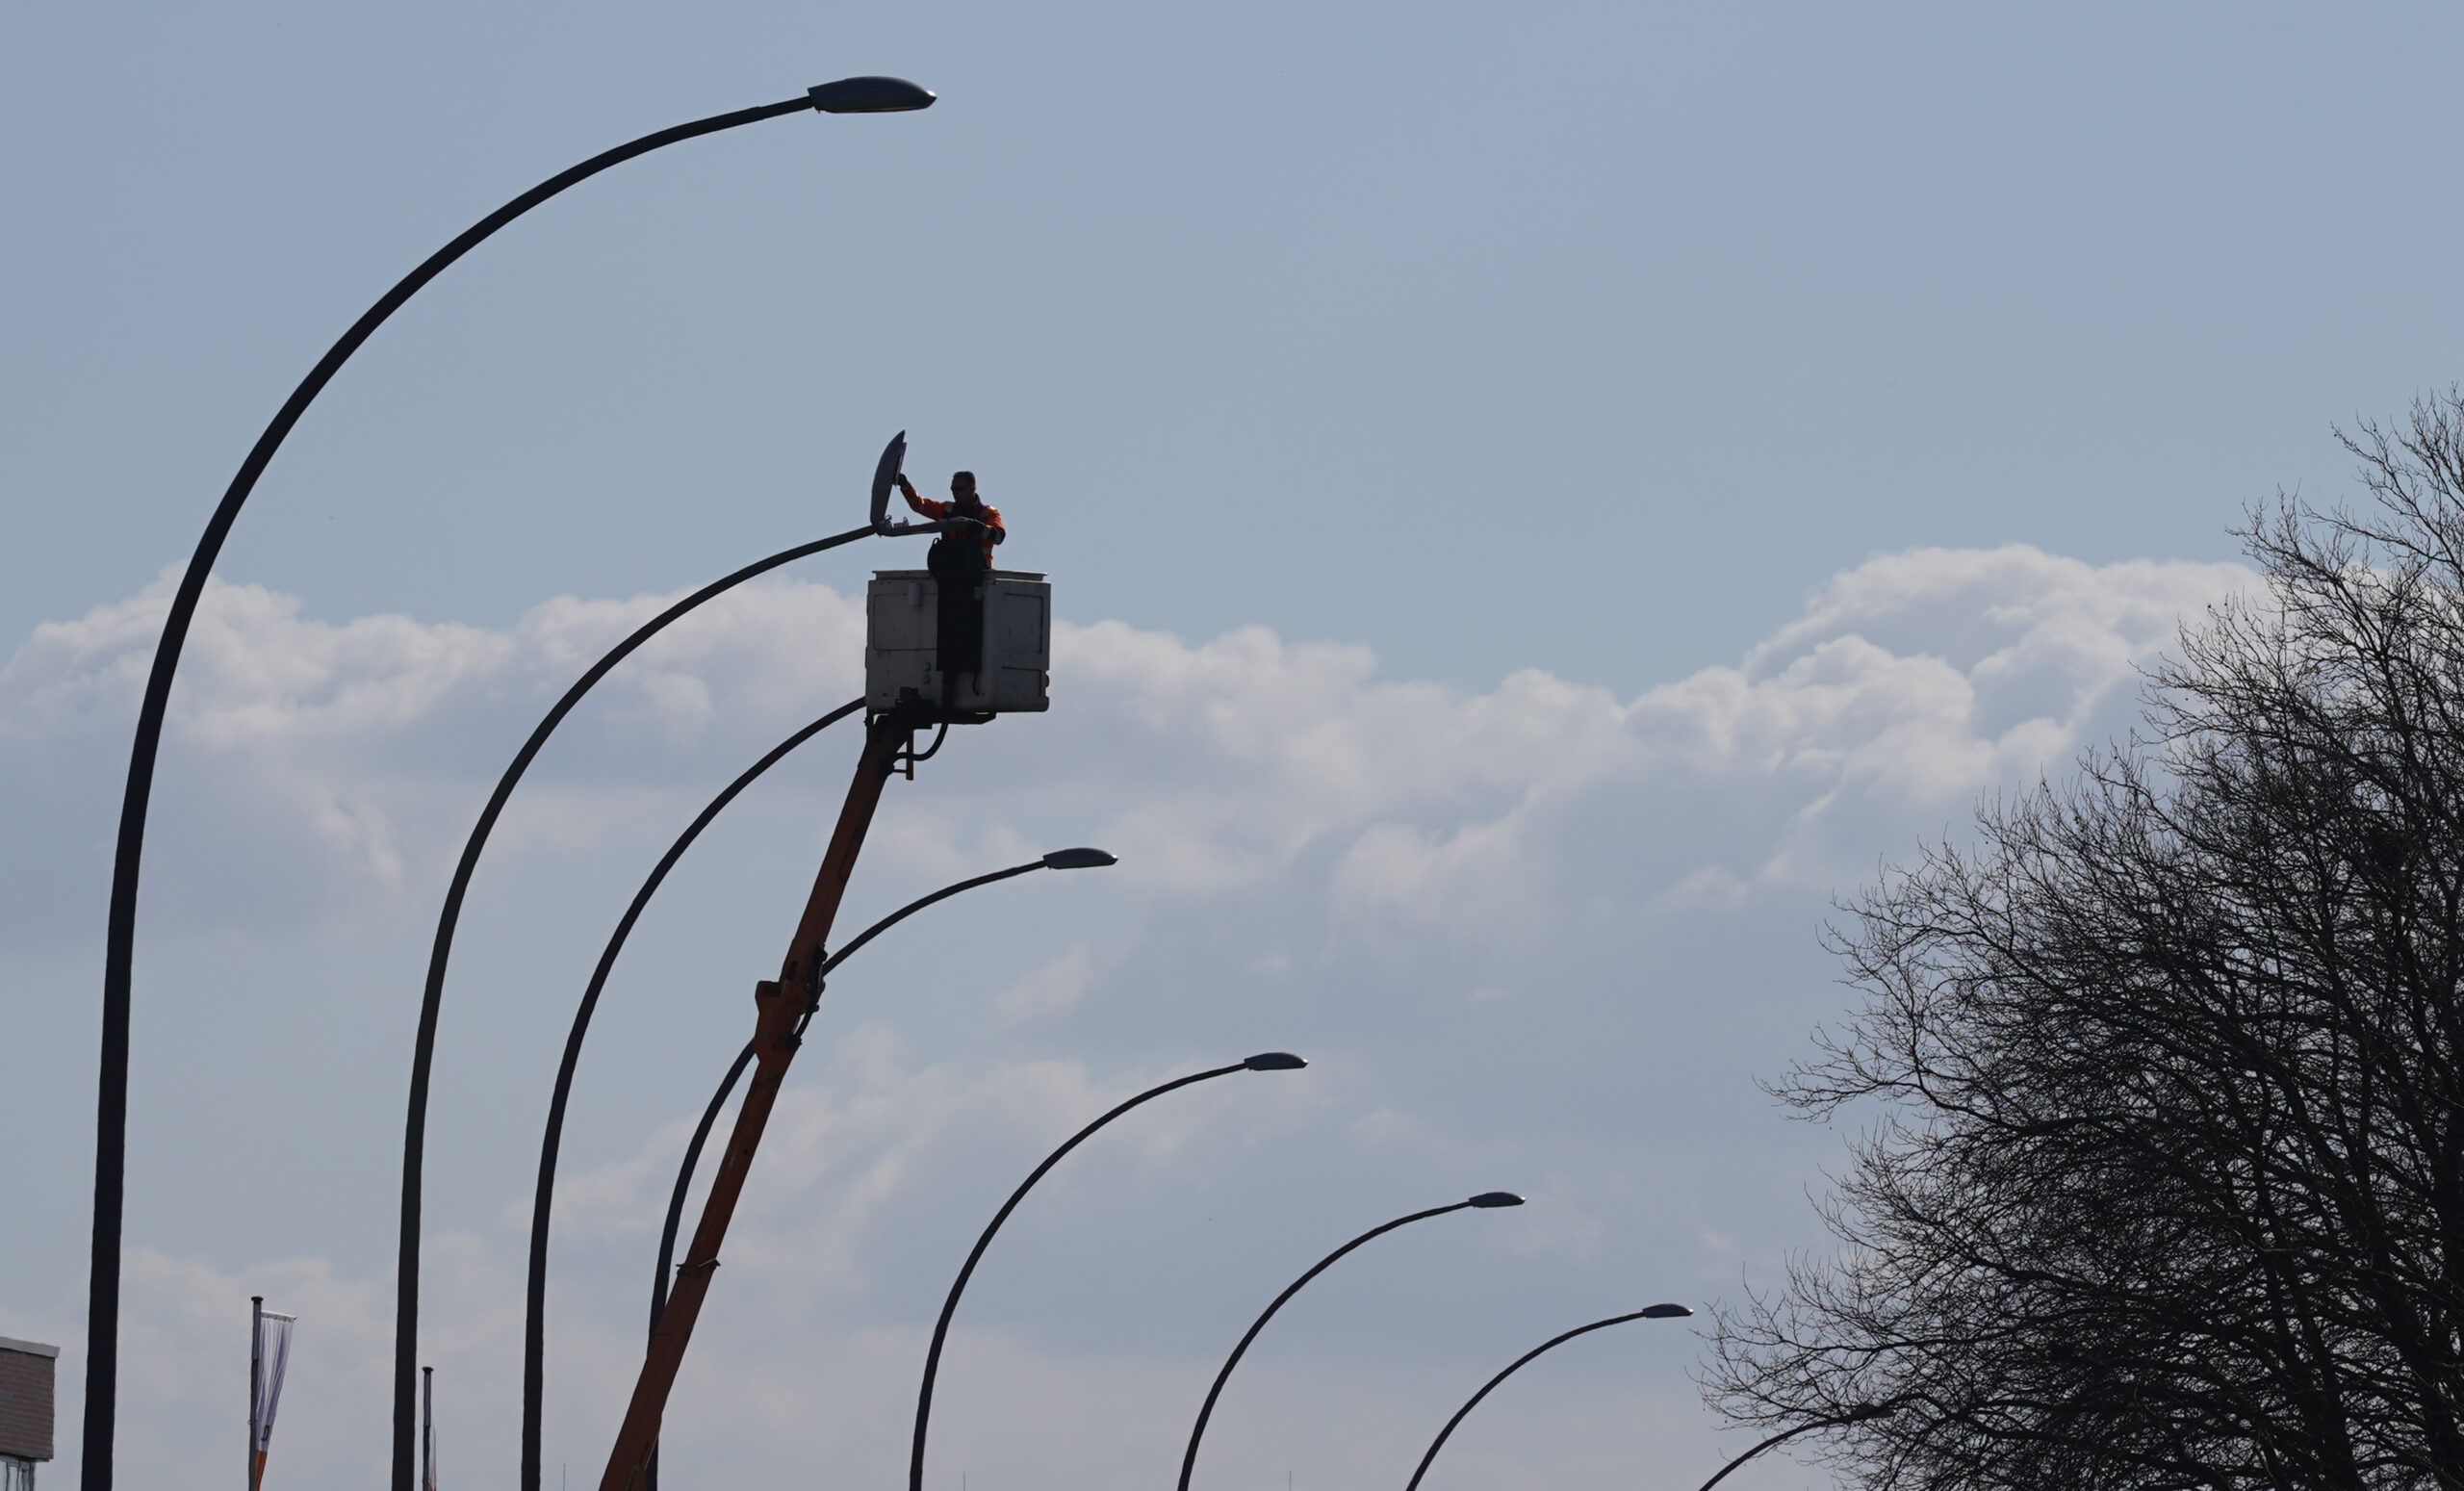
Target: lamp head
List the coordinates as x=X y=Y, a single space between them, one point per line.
x=885 y=475
x=1274 y=1061
x=1489 y=1199
x=1664 y=1312
x=1079 y=859
x=870 y=95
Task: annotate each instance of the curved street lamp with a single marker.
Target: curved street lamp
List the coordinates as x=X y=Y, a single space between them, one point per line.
x=406 y=1262
x=1857 y=1415
x=848 y=95
x=543 y=1199
x=1485 y=1200
x=1649 y=1312
x=1265 y=1061
x=1057 y=860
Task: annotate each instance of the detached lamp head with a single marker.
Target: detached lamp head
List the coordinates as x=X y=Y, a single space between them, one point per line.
x=1664 y=1312
x=1488 y=1200
x=1274 y=1061
x=1079 y=859
x=885 y=475
x=871 y=95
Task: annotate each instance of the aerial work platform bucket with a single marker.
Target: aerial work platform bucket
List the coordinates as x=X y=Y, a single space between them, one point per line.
x=901 y=641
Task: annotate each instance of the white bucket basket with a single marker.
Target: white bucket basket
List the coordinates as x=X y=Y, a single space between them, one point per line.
x=900 y=641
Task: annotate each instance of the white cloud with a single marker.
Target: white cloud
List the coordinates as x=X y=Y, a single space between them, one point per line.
x=1054 y=988
x=1536 y=935
x=1912 y=683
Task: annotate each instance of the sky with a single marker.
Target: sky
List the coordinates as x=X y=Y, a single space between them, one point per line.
x=1543 y=503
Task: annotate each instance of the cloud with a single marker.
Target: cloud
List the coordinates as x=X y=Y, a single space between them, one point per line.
x=307 y=764
x=1912 y=683
x=1536 y=935
x=1053 y=988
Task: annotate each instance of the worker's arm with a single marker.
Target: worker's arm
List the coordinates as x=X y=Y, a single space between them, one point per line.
x=923 y=504
x=994 y=533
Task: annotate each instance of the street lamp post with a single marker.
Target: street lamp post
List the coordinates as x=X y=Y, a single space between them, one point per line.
x=1857 y=1415
x=1266 y=1060
x=684 y=1170
x=1649 y=1312
x=1057 y=859
x=441 y=950
x=1485 y=1200
x=778 y=1007
x=848 y=95
x=406 y=1272
x=535 y=1293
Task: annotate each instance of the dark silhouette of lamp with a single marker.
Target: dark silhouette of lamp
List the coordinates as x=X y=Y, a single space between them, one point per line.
x=1486 y=1200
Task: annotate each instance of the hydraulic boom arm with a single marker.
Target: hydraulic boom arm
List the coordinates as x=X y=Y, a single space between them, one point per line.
x=778 y=1008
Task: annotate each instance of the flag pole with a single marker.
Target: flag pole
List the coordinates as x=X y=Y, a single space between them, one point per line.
x=428 y=1428
x=256 y=1377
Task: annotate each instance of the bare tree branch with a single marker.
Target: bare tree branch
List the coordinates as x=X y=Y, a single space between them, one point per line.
x=2167 y=1185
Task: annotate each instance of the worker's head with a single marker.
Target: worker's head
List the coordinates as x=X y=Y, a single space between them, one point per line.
x=963 y=488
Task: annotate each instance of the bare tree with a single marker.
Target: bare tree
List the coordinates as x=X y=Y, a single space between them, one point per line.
x=2164 y=1179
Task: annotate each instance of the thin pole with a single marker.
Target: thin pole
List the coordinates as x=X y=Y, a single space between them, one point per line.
x=1654 y=1312
x=676 y=1215
x=406 y=1262
x=428 y=1428
x=1197 y=1431
x=917 y=905
x=718 y=1100
x=119 y=941
x=967 y=1271
x=1857 y=1415
x=256 y=1377
x=744 y=1058
x=684 y=1183
x=534 y=1327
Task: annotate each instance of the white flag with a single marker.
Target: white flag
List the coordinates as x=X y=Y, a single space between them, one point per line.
x=273 y=1355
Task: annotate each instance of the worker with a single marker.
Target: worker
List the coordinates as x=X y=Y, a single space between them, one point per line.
x=959 y=561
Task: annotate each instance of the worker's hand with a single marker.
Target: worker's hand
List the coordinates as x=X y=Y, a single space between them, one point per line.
x=906 y=486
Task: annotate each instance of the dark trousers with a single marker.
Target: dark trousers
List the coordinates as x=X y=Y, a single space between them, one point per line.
x=958 y=570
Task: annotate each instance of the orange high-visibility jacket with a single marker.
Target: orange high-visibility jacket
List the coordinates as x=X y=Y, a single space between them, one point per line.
x=985 y=513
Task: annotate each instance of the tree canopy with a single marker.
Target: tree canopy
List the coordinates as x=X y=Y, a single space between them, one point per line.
x=2163 y=1180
